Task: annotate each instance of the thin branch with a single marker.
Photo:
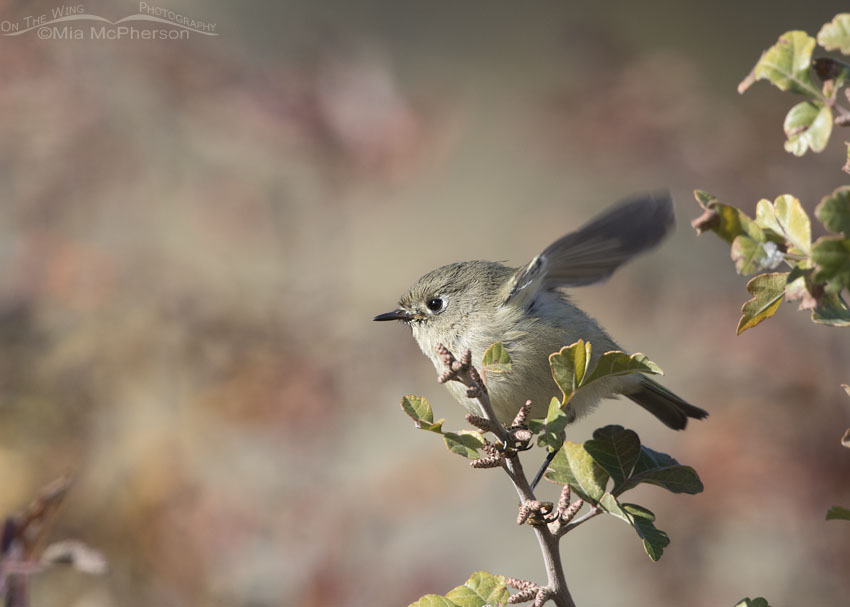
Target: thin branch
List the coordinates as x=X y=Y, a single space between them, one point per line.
x=594 y=511
x=514 y=439
x=463 y=371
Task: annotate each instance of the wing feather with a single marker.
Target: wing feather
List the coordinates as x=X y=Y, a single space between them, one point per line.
x=593 y=252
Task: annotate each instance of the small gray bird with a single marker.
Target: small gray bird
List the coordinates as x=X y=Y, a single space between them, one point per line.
x=474 y=304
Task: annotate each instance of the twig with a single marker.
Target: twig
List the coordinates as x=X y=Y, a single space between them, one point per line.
x=594 y=511
x=463 y=371
x=514 y=439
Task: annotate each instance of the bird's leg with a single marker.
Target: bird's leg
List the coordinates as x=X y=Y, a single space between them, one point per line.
x=549 y=457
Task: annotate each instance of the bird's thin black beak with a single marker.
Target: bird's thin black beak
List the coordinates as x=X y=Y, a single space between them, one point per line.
x=395 y=315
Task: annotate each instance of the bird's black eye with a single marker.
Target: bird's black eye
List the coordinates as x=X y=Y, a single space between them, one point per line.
x=436 y=304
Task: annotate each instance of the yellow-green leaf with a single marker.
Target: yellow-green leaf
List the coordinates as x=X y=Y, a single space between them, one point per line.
x=619 y=363
x=835 y=35
x=766 y=219
x=551 y=429
x=724 y=220
x=786 y=65
x=569 y=367
x=751 y=256
x=767 y=291
x=496 y=359
x=795 y=222
x=575 y=467
x=808 y=125
x=481 y=589
x=419 y=410
x=465 y=443
x=433 y=600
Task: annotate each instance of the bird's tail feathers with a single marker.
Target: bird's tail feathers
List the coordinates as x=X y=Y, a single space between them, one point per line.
x=672 y=410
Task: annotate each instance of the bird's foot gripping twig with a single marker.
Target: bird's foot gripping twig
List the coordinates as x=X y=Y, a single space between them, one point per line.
x=535 y=512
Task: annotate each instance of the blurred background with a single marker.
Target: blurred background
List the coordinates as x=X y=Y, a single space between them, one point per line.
x=195 y=234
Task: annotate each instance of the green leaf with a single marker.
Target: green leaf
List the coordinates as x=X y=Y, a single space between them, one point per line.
x=724 y=220
x=570 y=364
x=660 y=469
x=616 y=450
x=575 y=467
x=419 y=410
x=654 y=540
x=831 y=310
x=551 y=429
x=569 y=367
x=751 y=256
x=767 y=291
x=642 y=520
x=757 y=602
x=786 y=65
x=838 y=513
x=433 y=600
x=496 y=359
x=808 y=125
x=481 y=589
x=832 y=258
x=766 y=219
x=465 y=443
x=835 y=35
x=619 y=363
x=795 y=223
x=834 y=211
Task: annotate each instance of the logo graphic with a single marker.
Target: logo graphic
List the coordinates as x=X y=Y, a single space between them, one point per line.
x=72 y=22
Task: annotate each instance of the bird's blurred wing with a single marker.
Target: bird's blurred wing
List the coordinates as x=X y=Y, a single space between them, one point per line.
x=593 y=252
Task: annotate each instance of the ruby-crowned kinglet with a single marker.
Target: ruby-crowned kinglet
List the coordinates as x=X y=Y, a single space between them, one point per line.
x=474 y=304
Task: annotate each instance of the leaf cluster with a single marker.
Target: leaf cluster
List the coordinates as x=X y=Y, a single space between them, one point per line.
x=601 y=469
x=612 y=462
x=780 y=235
x=789 y=66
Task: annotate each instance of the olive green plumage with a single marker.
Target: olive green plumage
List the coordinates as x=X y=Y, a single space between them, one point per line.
x=473 y=304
